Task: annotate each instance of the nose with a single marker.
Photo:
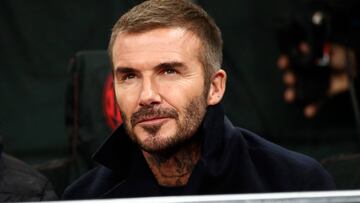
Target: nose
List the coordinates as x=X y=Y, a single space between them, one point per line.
x=149 y=93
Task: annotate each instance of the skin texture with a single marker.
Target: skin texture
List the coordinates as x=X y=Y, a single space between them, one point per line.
x=159 y=85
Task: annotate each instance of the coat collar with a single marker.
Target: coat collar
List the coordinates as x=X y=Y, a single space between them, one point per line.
x=119 y=148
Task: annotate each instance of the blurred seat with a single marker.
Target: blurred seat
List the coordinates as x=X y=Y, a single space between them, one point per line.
x=91 y=114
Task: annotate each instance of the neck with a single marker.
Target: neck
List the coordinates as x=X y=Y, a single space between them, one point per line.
x=174 y=169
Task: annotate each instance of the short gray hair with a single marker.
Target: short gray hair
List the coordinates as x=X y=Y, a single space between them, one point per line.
x=154 y=14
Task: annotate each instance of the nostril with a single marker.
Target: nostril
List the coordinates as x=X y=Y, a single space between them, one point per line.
x=150 y=102
x=150 y=98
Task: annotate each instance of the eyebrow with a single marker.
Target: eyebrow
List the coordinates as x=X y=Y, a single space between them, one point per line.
x=173 y=64
x=124 y=70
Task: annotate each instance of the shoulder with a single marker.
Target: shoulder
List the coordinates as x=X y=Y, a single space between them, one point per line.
x=92 y=184
x=257 y=145
x=279 y=165
x=23 y=183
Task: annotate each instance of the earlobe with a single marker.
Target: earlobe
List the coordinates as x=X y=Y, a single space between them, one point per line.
x=217 y=87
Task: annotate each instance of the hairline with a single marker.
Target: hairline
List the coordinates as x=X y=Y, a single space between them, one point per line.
x=207 y=68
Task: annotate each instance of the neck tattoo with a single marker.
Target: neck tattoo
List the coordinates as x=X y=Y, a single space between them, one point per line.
x=174 y=169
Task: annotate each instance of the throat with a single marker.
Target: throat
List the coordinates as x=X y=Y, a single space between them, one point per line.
x=174 y=169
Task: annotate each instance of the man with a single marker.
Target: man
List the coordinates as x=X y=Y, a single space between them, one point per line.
x=175 y=139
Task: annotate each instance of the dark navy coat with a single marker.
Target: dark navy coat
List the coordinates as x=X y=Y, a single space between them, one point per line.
x=233 y=160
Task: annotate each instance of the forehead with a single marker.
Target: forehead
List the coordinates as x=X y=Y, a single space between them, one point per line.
x=158 y=44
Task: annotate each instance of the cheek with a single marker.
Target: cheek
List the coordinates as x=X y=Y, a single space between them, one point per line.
x=179 y=93
x=126 y=101
x=170 y=90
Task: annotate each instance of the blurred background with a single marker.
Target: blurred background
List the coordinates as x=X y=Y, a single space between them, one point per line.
x=56 y=102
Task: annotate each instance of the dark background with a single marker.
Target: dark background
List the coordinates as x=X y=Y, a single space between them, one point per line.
x=38 y=39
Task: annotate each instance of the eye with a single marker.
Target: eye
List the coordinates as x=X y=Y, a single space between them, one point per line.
x=170 y=68
x=128 y=76
x=124 y=75
x=169 y=71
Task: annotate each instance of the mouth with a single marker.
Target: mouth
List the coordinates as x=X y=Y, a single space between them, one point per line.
x=152 y=116
x=153 y=120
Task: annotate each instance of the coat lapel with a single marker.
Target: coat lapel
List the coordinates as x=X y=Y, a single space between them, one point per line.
x=140 y=182
x=120 y=154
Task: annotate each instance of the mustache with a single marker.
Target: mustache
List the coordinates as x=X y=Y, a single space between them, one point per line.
x=145 y=113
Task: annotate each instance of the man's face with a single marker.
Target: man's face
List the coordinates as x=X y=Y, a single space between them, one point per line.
x=159 y=86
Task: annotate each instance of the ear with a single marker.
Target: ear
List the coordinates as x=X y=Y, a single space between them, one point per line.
x=217 y=87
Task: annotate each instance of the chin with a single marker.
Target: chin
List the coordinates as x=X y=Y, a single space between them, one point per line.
x=164 y=139
x=159 y=143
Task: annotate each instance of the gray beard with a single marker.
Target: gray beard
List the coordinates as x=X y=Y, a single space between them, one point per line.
x=193 y=115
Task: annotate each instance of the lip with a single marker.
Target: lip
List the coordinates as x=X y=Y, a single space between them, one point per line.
x=153 y=121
